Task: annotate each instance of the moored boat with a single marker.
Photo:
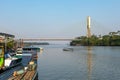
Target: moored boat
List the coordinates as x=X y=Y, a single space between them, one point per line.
x=8 y=60
x=19 y=51
x=32 y=49
x=11 y=61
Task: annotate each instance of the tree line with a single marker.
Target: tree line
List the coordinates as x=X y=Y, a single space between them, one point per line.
x=111 y=39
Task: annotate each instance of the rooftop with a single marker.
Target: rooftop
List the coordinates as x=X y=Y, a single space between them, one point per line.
x=7 y=35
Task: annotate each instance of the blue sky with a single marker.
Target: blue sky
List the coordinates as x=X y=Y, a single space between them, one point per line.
x=58 y=18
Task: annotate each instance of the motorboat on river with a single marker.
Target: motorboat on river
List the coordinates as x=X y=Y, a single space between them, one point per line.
x=68 y=49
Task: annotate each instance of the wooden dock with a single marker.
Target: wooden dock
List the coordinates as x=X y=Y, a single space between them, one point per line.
x=29 y=75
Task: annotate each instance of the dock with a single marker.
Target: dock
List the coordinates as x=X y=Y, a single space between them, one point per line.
x=29 y=75
x=27 y=70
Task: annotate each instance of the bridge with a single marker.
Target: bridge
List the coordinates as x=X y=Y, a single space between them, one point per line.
x=46 y=39
x=62 y=39
x=20 y=42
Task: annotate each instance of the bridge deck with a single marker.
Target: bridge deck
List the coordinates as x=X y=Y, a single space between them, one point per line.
x=46 y=39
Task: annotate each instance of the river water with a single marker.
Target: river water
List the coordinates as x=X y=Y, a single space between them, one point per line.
x=83 y=63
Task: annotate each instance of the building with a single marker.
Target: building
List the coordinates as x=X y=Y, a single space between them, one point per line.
x=4 y=37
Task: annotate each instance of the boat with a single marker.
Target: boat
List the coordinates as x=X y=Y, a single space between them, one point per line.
x=68 y=49
x=29 y=71
x=26 y=51
x=11 y=66
x=19 y=51
x=7 y=60
x=11 y=61
x=22 y=71
x=32 y=49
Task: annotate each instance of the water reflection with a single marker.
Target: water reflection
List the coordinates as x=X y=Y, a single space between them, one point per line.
x=89 y=61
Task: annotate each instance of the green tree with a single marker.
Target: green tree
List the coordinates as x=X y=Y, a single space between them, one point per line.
x=10 y=44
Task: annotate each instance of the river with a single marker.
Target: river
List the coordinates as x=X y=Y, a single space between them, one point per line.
x=83 y=63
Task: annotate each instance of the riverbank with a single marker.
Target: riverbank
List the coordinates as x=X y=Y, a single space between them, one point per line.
x=111 y=39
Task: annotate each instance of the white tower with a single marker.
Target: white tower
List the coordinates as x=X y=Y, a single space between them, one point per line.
x=88 y=27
